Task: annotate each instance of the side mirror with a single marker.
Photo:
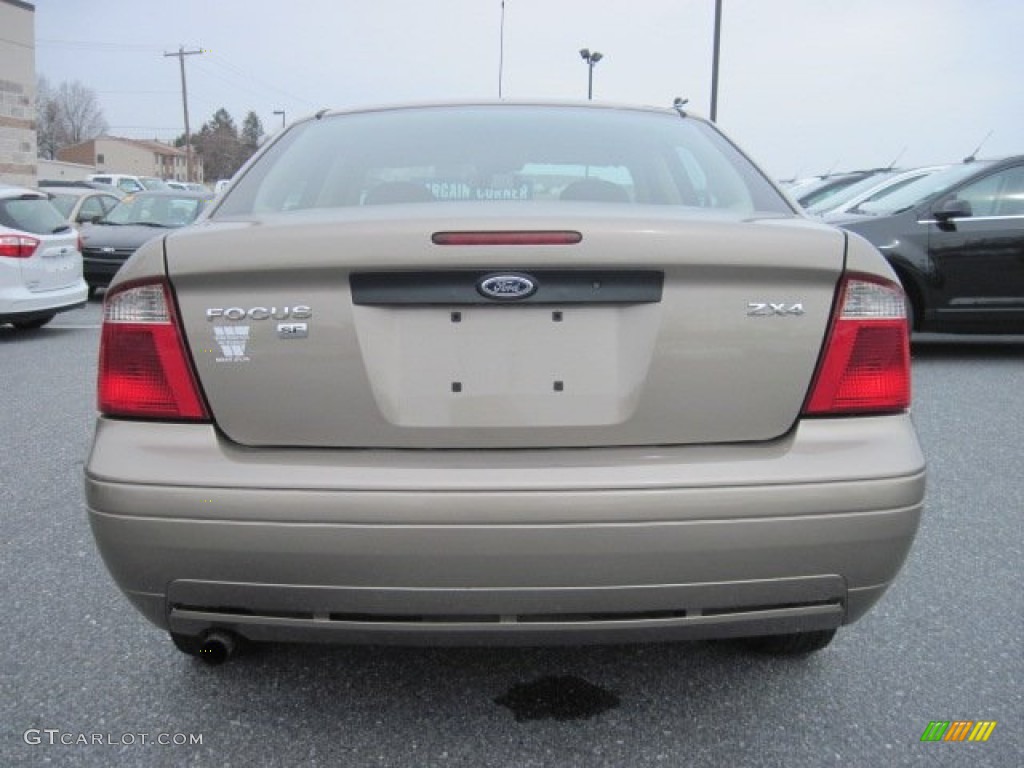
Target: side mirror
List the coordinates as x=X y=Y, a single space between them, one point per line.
x=953 y=209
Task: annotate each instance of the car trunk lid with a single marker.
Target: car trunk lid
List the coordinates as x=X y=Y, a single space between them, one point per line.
x=357 y=329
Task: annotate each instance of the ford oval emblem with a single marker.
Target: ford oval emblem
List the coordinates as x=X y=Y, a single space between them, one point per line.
x=506 y=287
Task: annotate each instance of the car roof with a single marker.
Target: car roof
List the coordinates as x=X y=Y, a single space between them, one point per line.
x=469 y=103
x=178 y=193
x=75 y=191
x=8 y=192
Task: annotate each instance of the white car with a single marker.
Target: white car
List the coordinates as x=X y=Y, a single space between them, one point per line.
x=186 y=186
x=869 y=193
x=40 y=260
x=129 y=184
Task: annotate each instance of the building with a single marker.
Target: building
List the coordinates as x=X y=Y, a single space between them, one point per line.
x=55 y=170
x=17 y=93
x=112 y=154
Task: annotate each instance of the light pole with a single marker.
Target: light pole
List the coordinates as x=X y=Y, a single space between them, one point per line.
x=591 y=57
x=281 y=113
x=714 y=60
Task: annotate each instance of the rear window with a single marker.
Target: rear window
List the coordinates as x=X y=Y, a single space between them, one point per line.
x=64 y=203
x=501 y=153
x=32 y=214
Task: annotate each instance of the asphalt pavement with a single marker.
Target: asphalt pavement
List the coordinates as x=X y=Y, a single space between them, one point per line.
x=86 y=681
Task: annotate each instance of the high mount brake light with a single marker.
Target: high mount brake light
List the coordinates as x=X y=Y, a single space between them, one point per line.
x=507 y=238
x=18 y=246
x=866 y=364
x=144 y=371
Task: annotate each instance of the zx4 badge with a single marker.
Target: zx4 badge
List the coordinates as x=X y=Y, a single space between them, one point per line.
x=771 y=309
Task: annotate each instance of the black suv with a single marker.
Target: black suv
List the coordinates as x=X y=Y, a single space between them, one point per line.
x=956 y=239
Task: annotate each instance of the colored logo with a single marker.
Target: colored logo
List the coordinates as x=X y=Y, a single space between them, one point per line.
x=958 y=730
x=506 y=287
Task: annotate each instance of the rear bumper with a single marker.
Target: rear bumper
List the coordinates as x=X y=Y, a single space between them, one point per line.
x=18 y=303
x=600 y=545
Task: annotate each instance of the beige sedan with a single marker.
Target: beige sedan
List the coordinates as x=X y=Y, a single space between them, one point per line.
x=504 y=373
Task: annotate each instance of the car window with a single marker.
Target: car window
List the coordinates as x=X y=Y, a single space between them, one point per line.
x=847 y=193
x=921 y=190
x=1011 y=197
x=151 y=182
x=64 y=204
x=514 y=154
x=156 y=210
x=982 y=194
x=91 y=208
x=32 y=214
x=1001 y=194
x=885 y=191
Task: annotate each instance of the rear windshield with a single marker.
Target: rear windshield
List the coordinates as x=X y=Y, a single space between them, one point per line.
x=501 y=153
x=32 y=214
x=64 y=203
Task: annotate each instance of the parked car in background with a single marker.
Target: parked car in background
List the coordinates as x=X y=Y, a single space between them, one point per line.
x=504 y=373
x=869 y=191
x=40 y=260
x=140 y=217
x=809 y=193
x=82 y=184
x=128 y=184
x=187 y=186
x=82 y=205
x=956 y=240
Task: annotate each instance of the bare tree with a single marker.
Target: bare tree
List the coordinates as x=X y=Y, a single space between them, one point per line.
x=47 y=120
x=69 y=114
x=81 y=114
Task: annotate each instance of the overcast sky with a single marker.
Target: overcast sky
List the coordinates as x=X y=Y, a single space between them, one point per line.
x=805 y=85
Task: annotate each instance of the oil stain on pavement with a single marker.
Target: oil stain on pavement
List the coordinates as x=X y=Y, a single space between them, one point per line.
x=557 y=698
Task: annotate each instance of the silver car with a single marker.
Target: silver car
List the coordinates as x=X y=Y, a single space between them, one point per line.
x=504 y=373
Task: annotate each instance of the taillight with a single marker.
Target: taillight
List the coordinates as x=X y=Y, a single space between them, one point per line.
x=144 y=371
x=866 y=364
x=18 y=246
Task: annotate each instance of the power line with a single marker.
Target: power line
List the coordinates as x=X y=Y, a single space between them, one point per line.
x=249 y=77
x=97 y=45
x=134 y=93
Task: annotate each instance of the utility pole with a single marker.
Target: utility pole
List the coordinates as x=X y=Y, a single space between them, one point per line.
x=181 y=54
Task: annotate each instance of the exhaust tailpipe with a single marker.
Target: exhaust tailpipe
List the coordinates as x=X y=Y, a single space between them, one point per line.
x=217 y=647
